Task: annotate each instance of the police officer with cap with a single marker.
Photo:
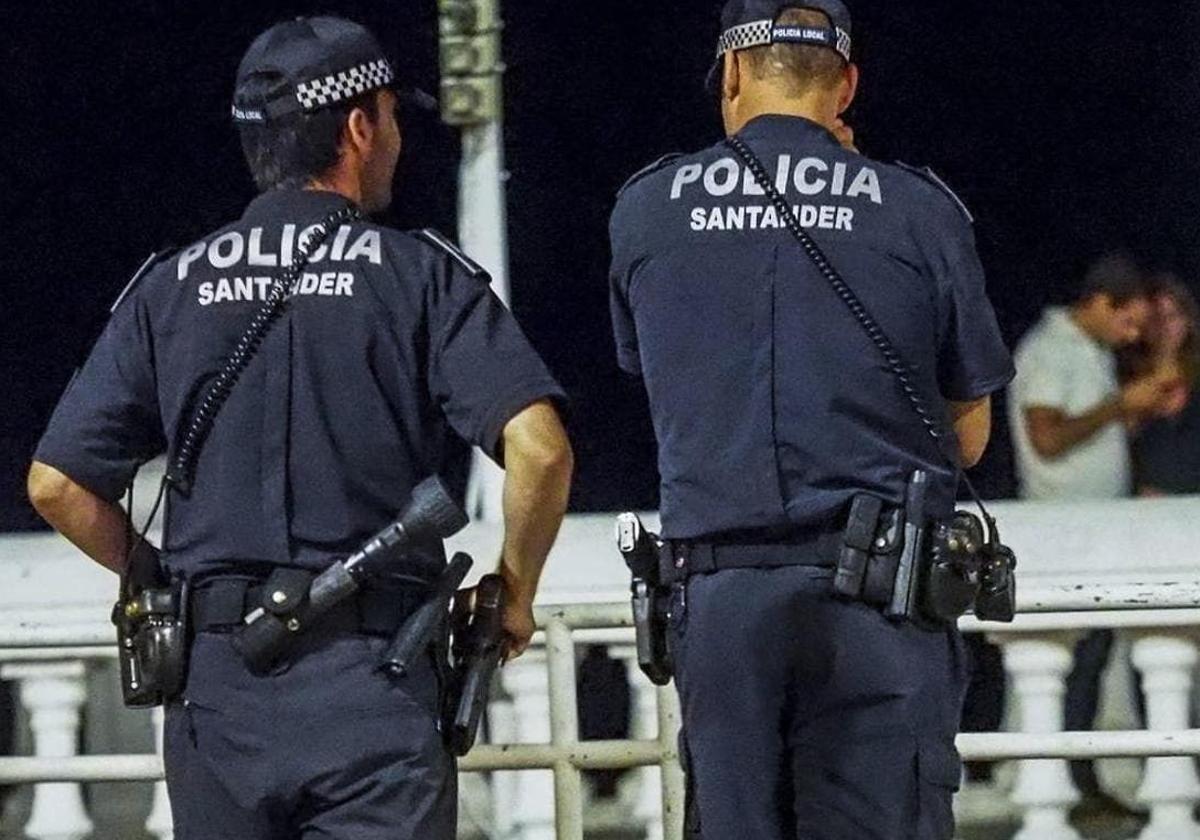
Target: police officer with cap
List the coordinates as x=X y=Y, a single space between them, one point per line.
x=389 y=345
x=805 y=714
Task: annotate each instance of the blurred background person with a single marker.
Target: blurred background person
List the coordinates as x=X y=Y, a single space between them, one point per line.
x=1070 y=420
x=1166 y=448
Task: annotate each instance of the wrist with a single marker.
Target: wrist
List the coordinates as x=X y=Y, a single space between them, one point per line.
x=519 y=590
x=1120 y=409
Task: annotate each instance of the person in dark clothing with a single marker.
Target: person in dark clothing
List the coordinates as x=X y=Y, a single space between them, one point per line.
x=387 y=342
x=1166 y=449
x=805 y=713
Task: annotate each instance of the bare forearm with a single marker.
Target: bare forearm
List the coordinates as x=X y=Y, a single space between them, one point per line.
x=95 y=525
x=537 y=482
x=533 y=511
x=1055 y=433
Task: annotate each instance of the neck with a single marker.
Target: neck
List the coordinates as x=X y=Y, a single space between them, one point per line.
x=818 y=106
x=341 y=182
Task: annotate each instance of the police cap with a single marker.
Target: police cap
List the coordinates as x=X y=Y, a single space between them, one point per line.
x=309 y=63
x=752 y=23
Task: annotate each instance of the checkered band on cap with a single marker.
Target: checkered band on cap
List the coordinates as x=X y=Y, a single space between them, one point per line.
x=347 y=84
x=760 y=33
x=843 y=43
x=757 y=33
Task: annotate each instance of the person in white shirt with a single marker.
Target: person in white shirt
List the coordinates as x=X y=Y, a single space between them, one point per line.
x=1070 y=421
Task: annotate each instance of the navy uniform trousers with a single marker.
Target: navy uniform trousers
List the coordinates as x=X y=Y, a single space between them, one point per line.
x=809 y=718
x=324 y=747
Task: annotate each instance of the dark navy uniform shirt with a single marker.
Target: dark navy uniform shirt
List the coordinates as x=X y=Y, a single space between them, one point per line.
x=770 y=405
x=389 y=341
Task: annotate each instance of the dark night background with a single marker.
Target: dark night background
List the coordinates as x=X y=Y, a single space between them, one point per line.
x=1068 y=128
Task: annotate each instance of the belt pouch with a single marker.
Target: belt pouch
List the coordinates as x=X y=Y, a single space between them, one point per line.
x=880 y=578
x=271 y=629
x=857 y=541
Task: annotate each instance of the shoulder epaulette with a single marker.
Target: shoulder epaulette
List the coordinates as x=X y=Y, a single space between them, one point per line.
x=654 y=167
x=929 y=175
x=139 y=275
x=440 y=242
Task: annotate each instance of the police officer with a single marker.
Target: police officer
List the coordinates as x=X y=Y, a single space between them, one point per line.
x=804 y=715
x=391 y=342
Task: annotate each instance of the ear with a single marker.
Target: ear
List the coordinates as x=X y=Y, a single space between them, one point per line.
x=731 y=76
x=849 y=88
x=1103 y=301
x=360 y=131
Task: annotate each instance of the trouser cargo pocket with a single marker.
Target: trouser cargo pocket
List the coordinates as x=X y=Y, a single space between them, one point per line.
x=939 y=772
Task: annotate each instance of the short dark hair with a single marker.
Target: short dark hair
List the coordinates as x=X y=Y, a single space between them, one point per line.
x=800 y=67
x=290 y=151
x=1116 y=275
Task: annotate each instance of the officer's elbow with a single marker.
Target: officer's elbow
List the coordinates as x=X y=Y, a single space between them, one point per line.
x=48 y=489
x=970 y=454
x=536 y=441
x=973 y=427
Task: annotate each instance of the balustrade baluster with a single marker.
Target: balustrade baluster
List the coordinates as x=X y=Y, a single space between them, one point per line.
x=1038 y=666
x=1169 y=785
x=533 y=804
x=52 y=694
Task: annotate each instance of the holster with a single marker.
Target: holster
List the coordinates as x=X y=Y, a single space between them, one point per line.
x=650 y=595
x=651 y=616
x=151 y=619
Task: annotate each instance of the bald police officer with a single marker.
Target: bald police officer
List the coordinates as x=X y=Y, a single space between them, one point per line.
x=390 y=343
x=804 y=715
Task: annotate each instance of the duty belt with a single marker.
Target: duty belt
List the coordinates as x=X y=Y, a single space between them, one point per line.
x=218 y=604
x=679 y=559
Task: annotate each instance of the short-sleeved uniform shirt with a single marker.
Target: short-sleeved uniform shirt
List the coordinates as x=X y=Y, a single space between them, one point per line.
x=770 y=404
x=390 y=341
x=1060 y=366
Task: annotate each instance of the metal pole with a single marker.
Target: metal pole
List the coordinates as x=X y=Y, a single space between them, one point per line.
x=991 y=746
x=1003 y=746
x=673 y=784
x=564 y=731
x=1102 y=595
x=483 y=234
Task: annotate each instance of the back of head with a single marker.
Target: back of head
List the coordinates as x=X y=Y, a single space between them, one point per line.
x=790 y=57
x=295 y=149
x=797 y=69
x=1116 y=276
x=296 y=86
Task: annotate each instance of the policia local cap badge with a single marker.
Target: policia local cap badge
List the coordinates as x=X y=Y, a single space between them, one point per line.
x=753 y=23
x=306 y=64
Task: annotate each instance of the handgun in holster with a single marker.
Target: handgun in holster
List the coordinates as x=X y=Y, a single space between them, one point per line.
x=477 y=645
x=152 y=633
x=650 y=598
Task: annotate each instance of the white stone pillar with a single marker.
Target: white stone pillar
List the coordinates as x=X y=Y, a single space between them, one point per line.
x=1038 y=666
x=533 y=803
x=1169 y=786
x=159 y=821
x=647 y=806
x=52 y=694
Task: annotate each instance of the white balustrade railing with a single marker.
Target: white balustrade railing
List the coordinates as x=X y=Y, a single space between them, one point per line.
x=53 y=606
x=549 y=801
